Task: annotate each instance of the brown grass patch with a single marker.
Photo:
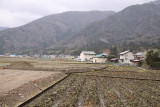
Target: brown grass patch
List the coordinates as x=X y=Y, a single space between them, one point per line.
x=20 y=65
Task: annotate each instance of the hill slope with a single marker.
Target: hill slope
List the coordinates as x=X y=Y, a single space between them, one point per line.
x=135 y=27
x=47 y=31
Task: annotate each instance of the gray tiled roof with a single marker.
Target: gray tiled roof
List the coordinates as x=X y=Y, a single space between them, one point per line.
x=124 y=52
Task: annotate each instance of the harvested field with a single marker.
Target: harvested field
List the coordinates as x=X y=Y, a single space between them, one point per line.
x=100 y=92
x=23 y=78
x=20 y=65
x=11 y=79
x=47 y=65
x=104 y=89
x=125 y=75
x=88 y=85
x=16 y=86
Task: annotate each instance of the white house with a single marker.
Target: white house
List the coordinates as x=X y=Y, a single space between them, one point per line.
x=126 y=57
x=87 y=55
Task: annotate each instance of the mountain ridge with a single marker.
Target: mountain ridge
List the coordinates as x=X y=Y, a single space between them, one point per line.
x=135 y=26
x=47 y=31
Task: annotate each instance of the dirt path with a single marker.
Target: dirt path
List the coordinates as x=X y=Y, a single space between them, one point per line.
x=11 y=79
x=17 y=86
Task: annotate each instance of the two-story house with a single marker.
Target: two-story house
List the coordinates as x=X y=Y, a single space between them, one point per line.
x=87 y=55
x=126 y=57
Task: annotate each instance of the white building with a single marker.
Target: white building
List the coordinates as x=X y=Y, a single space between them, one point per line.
x=87 y=55
x=126 y=57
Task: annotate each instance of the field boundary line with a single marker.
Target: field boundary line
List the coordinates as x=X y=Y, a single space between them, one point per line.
x=87 y=70
x=123 y=77
x=42 y=92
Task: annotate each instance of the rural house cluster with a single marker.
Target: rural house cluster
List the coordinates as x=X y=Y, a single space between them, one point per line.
x=124 y=57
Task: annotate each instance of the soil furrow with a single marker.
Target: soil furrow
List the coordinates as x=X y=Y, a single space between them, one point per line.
x=99 y=91
x=80 y=97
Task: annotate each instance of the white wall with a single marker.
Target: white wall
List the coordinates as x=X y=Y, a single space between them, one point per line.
x=127 y=57
x=82 y=57
x=85 y=57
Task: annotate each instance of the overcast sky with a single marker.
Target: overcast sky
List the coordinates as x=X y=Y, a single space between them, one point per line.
x=15 y=13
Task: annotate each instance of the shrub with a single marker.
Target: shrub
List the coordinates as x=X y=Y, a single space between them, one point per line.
x=111 y=56
x=153 y=59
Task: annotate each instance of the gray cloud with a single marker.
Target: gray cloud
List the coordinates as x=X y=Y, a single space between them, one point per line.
x=18 y=12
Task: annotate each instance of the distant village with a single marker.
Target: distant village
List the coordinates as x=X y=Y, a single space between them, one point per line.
x=126 y=57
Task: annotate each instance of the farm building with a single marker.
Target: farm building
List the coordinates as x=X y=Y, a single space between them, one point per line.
x=87 y=55
x=126 y=57
x=101 y=58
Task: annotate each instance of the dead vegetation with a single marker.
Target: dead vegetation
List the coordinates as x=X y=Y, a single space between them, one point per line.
x=100 y=92
x=20 y=65
x=89 y=85
x=22 y=78
x=104 y=89
x=67 y=66
x=18 y=86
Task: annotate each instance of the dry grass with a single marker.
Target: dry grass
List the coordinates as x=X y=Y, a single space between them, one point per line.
x=95 y=91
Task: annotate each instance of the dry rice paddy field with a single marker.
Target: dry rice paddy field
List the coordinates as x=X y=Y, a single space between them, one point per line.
x=93 y=85
x=23 y=78
x=46 y=64
x=111 y=87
